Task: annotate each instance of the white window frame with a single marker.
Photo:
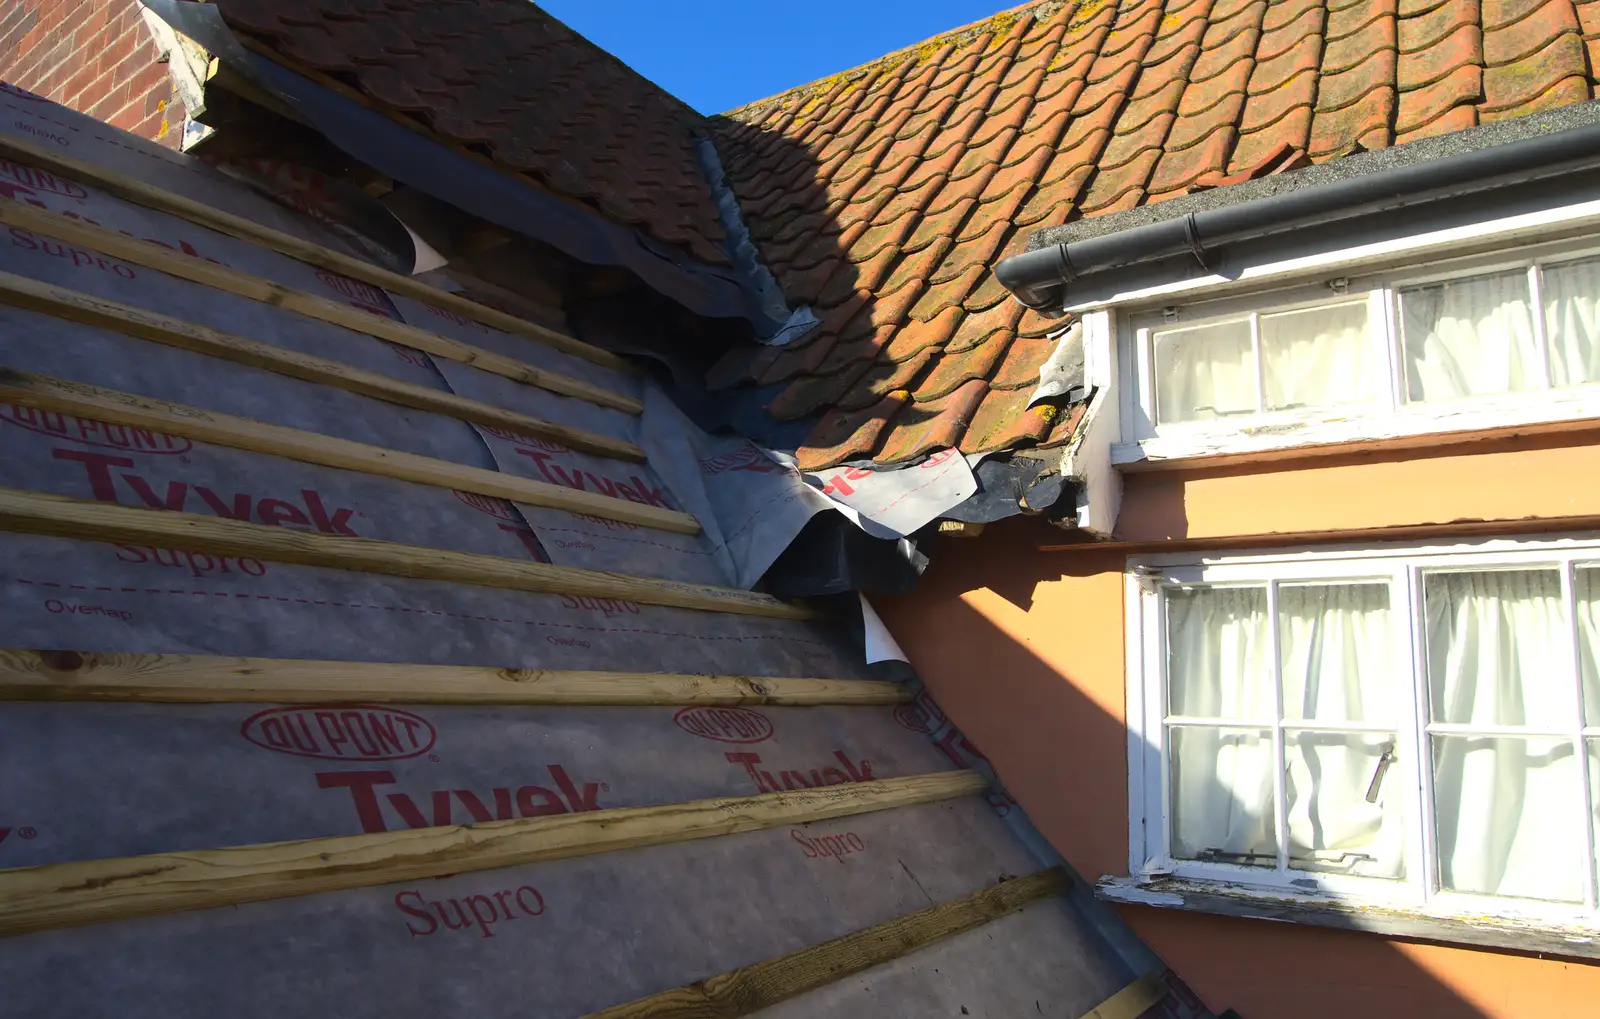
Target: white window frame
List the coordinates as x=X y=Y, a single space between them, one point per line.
x=1392 y=417
x=1150 y=856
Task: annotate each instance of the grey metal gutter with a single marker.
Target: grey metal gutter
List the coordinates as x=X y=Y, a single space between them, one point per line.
x=1040 y=278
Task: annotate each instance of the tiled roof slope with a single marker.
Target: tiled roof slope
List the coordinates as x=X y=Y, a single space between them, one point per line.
x=885 y=195
x=506 y=79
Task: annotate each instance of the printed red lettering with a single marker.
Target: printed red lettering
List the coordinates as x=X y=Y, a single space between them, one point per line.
x=421 y=914
x=362 y=786
x=98 y=467
x=585 y=800
x=93 y=433
x=835 y=846
x=484 y=908
x=547 y=803
x=77 y=256
x=240 y=510
x=475 y=807
x=530 y=541
x=484 y=920
x=537 y=898
x=638 y=491
x=66 y=608
x=854 y=771
x=273 y=512
x=337 y=523
x=529 y=800
x=177 y=492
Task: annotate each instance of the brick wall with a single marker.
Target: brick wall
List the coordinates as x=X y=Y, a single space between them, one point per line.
x=92 y=55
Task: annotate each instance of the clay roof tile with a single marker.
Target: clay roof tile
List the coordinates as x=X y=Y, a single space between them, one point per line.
x=1056 y=111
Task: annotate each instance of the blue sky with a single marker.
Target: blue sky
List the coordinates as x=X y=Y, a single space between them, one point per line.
x=718 y=54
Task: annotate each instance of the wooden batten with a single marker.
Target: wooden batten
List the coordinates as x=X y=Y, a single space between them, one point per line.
x=242 y=284
x=94 y=891
x=152 y=197
x=62 y=517
x=205 y=679
x=1132 y=1001
x=71 y=305
x=748 y=990
x=80 y=399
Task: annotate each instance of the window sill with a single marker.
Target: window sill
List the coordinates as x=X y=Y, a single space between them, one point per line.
x=1522 y=934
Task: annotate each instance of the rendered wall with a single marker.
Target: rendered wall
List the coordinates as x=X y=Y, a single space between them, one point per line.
x=1025 y=651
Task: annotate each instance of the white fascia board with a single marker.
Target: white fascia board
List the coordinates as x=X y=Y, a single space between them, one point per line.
x=1088 y=459
x=1547 y=224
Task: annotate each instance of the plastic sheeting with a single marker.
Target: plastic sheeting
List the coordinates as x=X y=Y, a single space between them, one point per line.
x=550 y=940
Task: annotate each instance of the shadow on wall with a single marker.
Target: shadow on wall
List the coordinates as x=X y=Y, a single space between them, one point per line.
x=1024 y=650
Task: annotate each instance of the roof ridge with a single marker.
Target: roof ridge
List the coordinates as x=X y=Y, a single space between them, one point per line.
x=960 y=34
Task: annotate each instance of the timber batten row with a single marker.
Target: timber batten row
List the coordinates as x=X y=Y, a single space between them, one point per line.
x=95 y=891
x=45 y=393
x=205 y=679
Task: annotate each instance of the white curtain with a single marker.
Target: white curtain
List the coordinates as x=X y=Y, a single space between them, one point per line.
x=1318 y=357
x=1205 y=372
x=1508 y=810
x=1586 y=589
x=1219 y=666
x=1339 y=666
x=1572 y=321
x=1470 y=337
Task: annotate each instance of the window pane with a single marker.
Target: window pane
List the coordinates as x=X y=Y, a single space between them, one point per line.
x=1222 y=806
x=1594 y=790
x=1572 y=321
x=1498 y=649
x=1586 y=591
x=1509 y=817
x=1346 y=805
x=1318 y=357
x=1204 y=372
x=1337 y=660
x=1219 y=663
x=1470 y=337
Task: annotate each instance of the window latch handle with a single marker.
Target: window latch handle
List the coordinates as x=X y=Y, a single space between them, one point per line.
x=1384 y=760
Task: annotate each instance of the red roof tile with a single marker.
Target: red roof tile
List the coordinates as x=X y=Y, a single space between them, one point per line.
x=1057 y=110
x=510 y=80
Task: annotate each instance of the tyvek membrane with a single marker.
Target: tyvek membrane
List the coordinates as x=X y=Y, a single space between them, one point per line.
x=85 y=271
x=755 y=518
x=39 y=343
x=316 y=771
x=468 y=330
x=477 y=384
x=56 y=128
x=587 y=933
x=46 y=452
x=555 y=939
x=750 y=506
x=63 y=194
x=1017 y=976
x=581 y=540
x=93 y=596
